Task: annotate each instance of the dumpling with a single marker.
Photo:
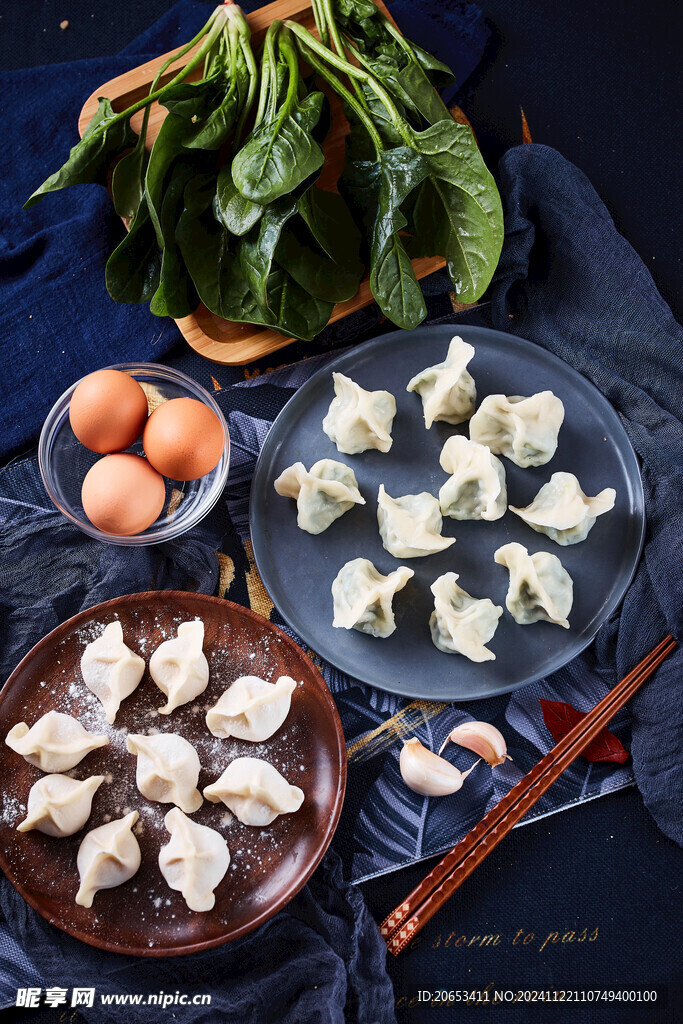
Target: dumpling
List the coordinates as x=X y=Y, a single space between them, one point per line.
x=358 y=419
x=540 y=587
x=107 y=857
x=410 y=526
x=56 y=743
x=254 y=791
x=110 y=669
x=524 y=430
x=323 y=493
x=194 y=861
x=476 y=488
x=460 y=623
x=447 y=390
x=58 y=805
x=167 y=769
x=363 y=597
x=563 y=512
x=251 y=708
x=179 y=667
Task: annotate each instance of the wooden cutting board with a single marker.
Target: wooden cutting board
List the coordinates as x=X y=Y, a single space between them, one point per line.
x=220 y=340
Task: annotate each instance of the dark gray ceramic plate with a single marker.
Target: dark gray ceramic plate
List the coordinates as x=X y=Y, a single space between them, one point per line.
x=297 y=568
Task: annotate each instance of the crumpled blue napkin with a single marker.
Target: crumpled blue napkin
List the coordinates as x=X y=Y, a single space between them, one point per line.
x=569 y=281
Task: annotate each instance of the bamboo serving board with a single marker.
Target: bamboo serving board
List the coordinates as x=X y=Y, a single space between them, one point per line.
x=220 y=340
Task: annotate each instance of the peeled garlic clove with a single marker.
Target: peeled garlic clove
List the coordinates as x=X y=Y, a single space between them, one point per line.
x=481 y=738
x=427 y=773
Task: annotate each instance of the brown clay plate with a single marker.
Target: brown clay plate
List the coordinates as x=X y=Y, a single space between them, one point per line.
x=144 y=917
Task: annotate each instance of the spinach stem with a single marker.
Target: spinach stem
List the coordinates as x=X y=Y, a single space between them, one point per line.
x=399 y=123
x=345 y=94
x=339 y=44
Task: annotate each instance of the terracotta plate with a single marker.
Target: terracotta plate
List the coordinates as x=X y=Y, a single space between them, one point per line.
x=144 y=917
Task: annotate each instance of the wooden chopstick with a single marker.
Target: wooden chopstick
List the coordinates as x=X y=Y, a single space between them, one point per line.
x=403 y=923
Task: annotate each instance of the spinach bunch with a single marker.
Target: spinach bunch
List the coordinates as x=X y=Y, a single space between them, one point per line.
x=413 y=177
x=225 y=209
x=261 y=242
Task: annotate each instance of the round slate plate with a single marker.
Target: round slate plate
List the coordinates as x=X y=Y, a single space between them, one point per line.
x=298 y=569
x=144 y=917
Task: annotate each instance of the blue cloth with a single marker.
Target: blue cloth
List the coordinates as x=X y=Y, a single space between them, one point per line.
x=57 y=321
x=568 y=281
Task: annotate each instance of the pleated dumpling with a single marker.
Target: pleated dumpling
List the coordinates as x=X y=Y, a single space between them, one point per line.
x=251 y=708
x=322 y=494
x=167 y=769
x=107 y=857
x=410 y=526
x=110 y=669
x=363 y=597
x=59 y=805
x=179 y=666
x=55 y=743
x=358 y=419
x=524 y=430
x=447 y=389
x=254 y=791
x=195 y=860
x=563 y=512
x=460 y=623
x=540 y=587
x=476 y=487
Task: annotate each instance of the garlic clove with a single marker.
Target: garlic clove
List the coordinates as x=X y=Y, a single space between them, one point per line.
x=427 y=773
x=481 y=738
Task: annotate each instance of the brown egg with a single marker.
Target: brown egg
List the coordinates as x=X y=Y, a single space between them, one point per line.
x=183 y=439
x=107 y=411
x=122 y=494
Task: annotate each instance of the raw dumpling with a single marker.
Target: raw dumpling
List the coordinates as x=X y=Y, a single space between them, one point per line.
x=58 y=805
x=56 y=742
x=447 y=390
x=179 y=667
x=251 y=709
x=410 y=526
x=110 y=669
x=323 y=493
x=460 y=623
x=167 y=770
x=358 y=419
x=540 y=587
x=254 y=791
x=107 y=857
x=562 y=511
x=194 y=861
x=363 y=597
x=476 y=488
x=524 y=430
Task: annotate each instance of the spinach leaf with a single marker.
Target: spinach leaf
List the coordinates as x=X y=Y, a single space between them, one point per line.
x=235 y=212
x=313 y=270
x=133 y=269
x=176 y=295
x=90 y=158
x=392 y=278
x=276 y=158
x=168 y=145
x=258 y=248
x=128 y=179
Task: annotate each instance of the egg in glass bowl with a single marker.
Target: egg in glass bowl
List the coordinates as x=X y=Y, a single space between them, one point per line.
x=129 y=496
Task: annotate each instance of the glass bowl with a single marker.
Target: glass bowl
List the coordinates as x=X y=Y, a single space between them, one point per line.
x=64 y=461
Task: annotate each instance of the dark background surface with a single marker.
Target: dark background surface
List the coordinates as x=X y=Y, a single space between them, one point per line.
x=600 y=82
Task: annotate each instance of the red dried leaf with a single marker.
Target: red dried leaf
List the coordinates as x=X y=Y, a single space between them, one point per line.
x=560 y=718
x=526 y=134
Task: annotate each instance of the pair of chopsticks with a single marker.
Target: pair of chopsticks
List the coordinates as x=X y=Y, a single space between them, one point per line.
x=403 y=923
